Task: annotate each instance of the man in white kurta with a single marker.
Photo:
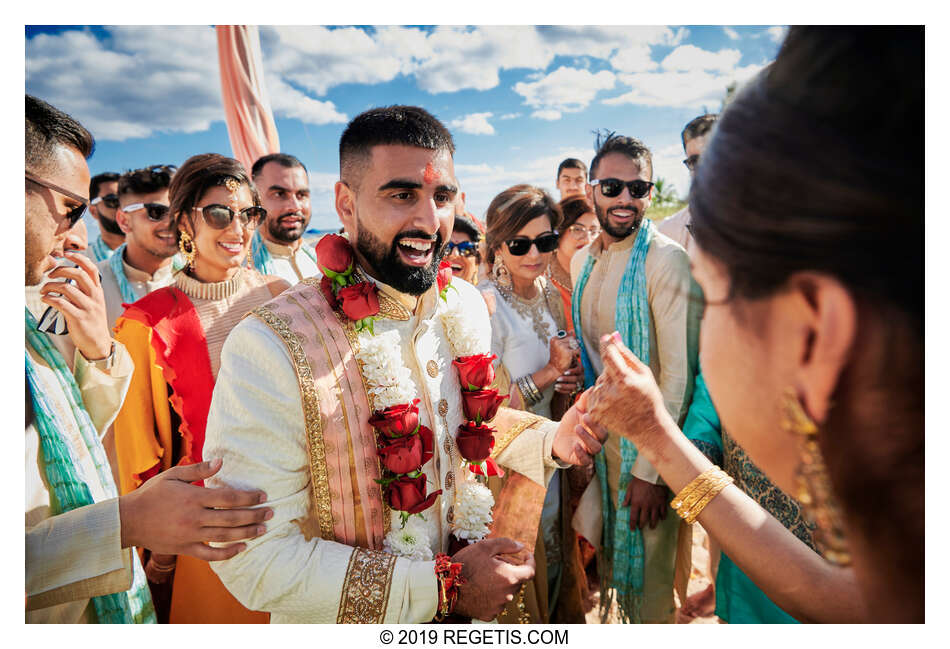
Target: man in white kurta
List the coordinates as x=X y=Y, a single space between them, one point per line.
x=396 y=200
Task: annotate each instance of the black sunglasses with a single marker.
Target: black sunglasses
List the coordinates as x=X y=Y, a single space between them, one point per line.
x=465 y=248
x=156 y=212
x=75 y=213
x=691 y=161
x=611 y=187
x=519 y=246
x=220 y=216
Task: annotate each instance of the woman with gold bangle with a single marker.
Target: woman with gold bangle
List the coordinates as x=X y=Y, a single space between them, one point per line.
x=175 y=335
x=811 y=346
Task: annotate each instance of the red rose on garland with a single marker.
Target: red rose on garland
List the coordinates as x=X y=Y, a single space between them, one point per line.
x=444 y=278
x=359 y=301
x=407 y=454
x=335 y=255
x=475 y=372
x=407 y=494
x=326 y=285
x=397 y=421
x=475 y=441
x=481 y=405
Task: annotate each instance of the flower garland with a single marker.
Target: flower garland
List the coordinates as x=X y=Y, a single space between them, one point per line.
x=404 y=445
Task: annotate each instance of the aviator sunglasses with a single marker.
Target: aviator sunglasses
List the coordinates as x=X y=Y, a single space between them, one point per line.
x=74 y=213
x=611 y=187
x=220 y=216
x=519 y=246
x=156 y=212
x=465 y=248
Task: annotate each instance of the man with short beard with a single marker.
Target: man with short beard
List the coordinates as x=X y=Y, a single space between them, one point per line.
x=279 y=248
x=635 y=281
x=144 y=262
x=103 y=191
x=344 y=398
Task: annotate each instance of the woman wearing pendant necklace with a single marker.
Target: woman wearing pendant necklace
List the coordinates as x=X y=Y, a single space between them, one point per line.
x=175 y=335
x=534 y=351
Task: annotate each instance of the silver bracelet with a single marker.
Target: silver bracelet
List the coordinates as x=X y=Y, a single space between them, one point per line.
x=529 y=390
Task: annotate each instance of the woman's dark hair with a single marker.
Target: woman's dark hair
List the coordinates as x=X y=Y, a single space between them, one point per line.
x=573 y=208
x=797 y=176
x=513 y=209
x=199 y=174
x=817 y=165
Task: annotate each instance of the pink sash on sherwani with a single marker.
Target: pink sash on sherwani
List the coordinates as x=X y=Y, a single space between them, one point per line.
x=343 y=462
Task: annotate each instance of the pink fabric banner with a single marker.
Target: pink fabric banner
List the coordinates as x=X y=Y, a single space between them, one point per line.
x=247 y=108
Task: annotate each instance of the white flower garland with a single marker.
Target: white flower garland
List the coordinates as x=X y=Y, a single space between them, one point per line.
x=389 y=382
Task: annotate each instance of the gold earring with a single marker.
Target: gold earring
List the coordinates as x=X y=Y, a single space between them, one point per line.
x=500 y=274
x=813 y=491
x=187 y=247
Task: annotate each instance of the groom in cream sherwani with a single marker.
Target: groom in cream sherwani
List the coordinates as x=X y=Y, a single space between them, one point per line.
x=290 y=408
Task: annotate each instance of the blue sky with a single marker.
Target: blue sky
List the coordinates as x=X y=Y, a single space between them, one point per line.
x=517 y=99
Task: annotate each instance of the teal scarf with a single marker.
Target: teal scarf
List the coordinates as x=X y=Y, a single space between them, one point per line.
x=69 y=490
x=118 y=269
x=623 y=555
x=263 y=261
x=100 y=250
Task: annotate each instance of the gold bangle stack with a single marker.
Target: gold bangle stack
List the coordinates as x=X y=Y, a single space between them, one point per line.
x=693 y=498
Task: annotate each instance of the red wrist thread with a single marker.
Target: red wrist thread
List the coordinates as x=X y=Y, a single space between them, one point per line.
x=449 y=576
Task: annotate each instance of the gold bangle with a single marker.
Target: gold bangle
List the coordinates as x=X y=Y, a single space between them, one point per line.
x=161 y=567
x=695 y=511
x=689 y=492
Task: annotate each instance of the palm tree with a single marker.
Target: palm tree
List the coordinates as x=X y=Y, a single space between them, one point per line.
x=664 y=192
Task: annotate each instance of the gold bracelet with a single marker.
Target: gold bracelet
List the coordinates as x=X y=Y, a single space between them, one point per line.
x=161 y=567
x=696 y=510
x=695 y=489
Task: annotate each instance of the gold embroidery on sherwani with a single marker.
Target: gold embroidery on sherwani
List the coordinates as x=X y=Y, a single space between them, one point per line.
x=308 y=524
x=349 y=330
x=359 y=521
x=502 y=441
x=366 y=586
x=313 y=421
x=389 y=307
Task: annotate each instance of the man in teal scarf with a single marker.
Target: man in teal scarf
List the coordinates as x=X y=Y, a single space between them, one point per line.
x=80 y=566
x=635 y=281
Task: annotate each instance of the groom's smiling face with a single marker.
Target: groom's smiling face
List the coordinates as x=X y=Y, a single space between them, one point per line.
x=401 y=213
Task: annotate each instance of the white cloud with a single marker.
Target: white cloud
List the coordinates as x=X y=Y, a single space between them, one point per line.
x=510 y=116
x=138 y=81
x=692 y=89
x=548 y=114
x=777 y=34
x=565 y=90
x=473 y=124
x=687 y=58
x=731 y=33
x=668 y=164
x=634 y=59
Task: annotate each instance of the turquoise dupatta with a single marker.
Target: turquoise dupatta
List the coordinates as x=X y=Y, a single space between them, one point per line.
x=263 y=261
x=623 y=556
x=68 y=489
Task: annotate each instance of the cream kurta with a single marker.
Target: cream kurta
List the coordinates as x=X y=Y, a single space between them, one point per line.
x=674 y=227
x=674 y=338
x=141 y=282
x=76 y=555
x=257 y=426
x=289 y=264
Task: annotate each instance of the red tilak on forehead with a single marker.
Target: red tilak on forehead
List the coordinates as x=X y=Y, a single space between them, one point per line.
x=430 y=175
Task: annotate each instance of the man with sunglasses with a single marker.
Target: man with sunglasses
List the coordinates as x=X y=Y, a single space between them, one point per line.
x=79 y=535
x=635 y=281
x=694 y=137
x=104 y=201
x=144 y=262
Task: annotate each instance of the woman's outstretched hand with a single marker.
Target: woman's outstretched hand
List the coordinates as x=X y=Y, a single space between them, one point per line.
x=626 y=399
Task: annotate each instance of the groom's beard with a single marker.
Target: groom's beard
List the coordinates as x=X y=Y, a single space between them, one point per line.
x=110 y=225
x=390 y=269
